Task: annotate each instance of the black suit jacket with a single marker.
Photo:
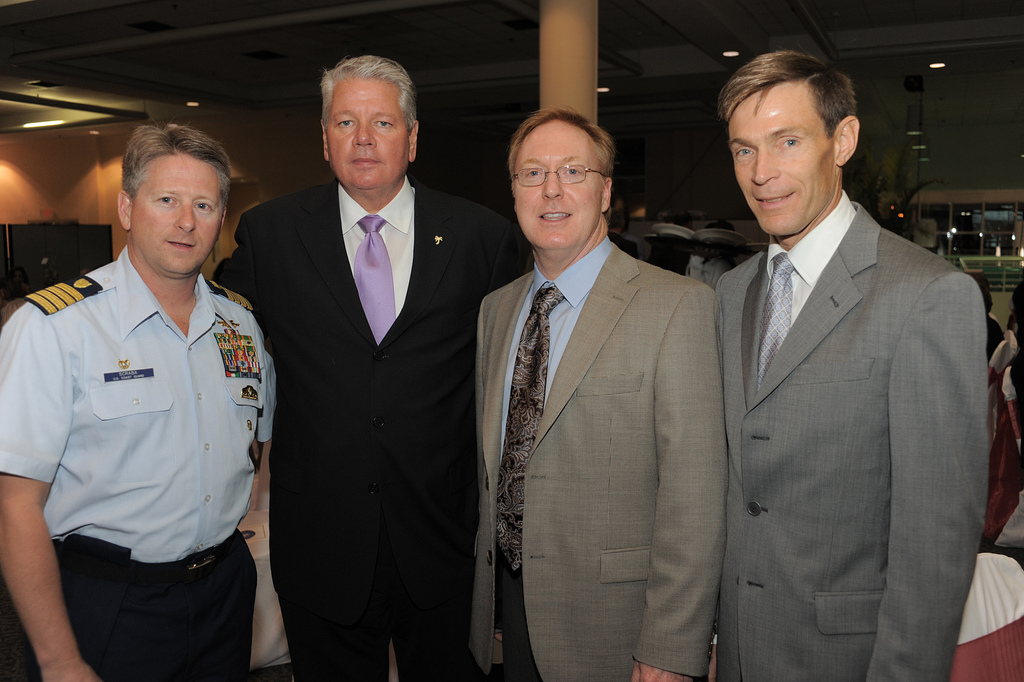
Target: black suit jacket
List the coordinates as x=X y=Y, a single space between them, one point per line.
x=365 y=431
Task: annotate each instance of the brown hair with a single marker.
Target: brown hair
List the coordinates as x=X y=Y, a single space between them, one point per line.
x=832 y=90
x=604 y=142
x=153 y=140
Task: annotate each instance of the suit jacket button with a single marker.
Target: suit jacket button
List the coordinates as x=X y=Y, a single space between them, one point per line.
x=378 y=422
x=372 y=488
x=753 y=509
x=379 y=355
x=490 y=558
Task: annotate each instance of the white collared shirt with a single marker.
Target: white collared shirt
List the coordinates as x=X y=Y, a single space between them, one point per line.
x=397 y=235
x=813 y=252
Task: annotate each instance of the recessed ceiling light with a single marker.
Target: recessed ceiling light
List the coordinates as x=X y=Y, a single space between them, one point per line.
x=602 y=89
x=937 y=65
x=730 y=53
x=42 y=124
x=94 y=132
x=192 y=104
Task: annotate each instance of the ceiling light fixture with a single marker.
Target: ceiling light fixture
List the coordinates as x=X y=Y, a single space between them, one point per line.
x=937 y=65
x=192 y=104
x=42 y=124
x=730 y=53
x=603 y=89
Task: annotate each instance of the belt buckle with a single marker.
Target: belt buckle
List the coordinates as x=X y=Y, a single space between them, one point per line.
x=201 y=562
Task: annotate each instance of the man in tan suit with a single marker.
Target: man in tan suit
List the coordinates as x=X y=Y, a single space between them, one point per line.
x=601 y=440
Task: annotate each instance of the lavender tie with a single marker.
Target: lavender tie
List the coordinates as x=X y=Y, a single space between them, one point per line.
x=373 y=277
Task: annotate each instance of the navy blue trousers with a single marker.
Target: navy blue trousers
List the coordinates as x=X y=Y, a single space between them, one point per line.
x=167 y=632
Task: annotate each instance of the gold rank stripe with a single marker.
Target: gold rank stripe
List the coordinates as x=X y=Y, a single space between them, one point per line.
x=57 y=297
x=239 y=299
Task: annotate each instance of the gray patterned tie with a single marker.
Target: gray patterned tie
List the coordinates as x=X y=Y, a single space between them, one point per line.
x=525 y=407
x=778 y=312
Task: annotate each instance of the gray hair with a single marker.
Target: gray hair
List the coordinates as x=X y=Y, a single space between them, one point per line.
x=150 y=141
x=370 y=67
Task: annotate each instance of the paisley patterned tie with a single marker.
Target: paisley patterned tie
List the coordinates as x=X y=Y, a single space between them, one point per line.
x=525 y=407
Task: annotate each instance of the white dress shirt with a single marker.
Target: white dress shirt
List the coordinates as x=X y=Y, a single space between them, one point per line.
x=397 y=235
x=813 y=252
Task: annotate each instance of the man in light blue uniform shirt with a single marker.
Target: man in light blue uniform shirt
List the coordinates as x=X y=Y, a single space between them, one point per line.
x=602 y=466
x=130 y=398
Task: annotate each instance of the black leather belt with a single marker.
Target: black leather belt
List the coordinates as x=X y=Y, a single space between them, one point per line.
x=74 y=555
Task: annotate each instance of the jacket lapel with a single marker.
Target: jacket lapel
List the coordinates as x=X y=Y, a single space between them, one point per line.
x=434 y=242
x=833 y=296
x=499 y=344
x=750 y=335
x=321 y=236
x=608 y=299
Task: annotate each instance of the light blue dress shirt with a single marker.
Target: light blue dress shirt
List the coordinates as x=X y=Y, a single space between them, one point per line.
x=575 y=284
x=141 y=431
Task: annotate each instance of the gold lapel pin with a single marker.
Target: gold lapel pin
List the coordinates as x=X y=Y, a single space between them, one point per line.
x=124 y=364
x=438 y=239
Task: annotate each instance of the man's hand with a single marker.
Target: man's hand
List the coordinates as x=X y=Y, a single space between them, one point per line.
x=33 y=580
x=645 y=673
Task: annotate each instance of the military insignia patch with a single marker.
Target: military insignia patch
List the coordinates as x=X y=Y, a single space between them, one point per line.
x=58 y=297
x=249 y=393
x=239 y=355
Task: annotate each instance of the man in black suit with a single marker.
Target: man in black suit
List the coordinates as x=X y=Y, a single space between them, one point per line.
x=373 y=494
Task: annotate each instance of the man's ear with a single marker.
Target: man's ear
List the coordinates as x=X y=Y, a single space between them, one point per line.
x=846 y=136
x=124 y=210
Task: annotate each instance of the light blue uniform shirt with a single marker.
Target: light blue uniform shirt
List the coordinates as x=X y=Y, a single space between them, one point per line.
x=141 y=431
x=575 y=284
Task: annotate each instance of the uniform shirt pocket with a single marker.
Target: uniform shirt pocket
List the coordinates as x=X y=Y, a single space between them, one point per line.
x=126 y=398
x=139 y=439
x=245 y=398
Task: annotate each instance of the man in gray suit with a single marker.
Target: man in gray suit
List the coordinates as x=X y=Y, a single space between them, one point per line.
x=855 y=410
x=602 y=465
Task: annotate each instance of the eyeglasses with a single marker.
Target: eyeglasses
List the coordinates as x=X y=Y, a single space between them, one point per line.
x=567 y=175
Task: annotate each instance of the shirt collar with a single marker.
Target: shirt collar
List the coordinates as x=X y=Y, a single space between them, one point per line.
x=578 y=279
x=137 y=303
x=812 y=253
x=399 y=211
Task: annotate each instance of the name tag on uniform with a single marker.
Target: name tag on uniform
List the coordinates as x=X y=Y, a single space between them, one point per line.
x=126 y=374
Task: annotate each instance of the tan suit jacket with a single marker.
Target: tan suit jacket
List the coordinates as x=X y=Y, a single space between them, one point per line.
x=624 y=503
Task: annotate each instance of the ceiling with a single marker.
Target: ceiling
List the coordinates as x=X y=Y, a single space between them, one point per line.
x=475 y=61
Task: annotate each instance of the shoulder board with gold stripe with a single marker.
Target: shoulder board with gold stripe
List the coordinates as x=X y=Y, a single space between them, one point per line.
x=60 y=296
x=228 y=294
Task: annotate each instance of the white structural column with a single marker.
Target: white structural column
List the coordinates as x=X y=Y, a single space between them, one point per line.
x=568 y=55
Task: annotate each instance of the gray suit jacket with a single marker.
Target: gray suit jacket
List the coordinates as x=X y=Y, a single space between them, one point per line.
x=625 y=491
x=857 y=471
